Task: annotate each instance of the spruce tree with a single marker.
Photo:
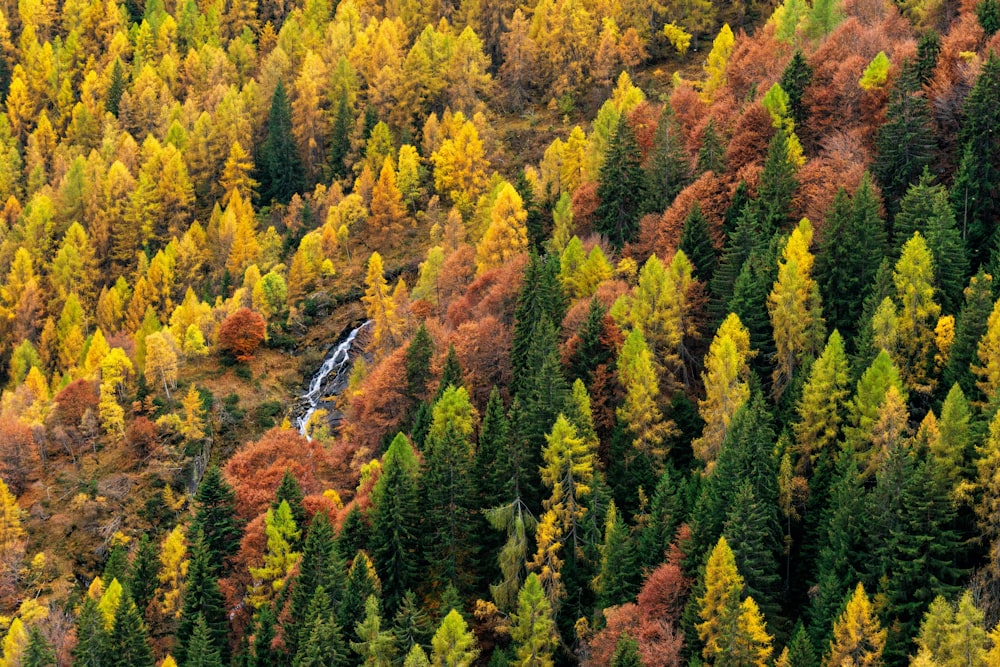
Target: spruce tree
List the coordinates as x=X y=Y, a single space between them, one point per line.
x=263 y=654
x=541 y=294
x=975 y=195
x=928 y=49
x=905 y=143
x=488 y=466
x=324 y=647
x=593 y=349
x=202 y=597
x=362 y=583
x=116 y=566
x=853 y=245
x=696 y=242
x=751 y=528
x=619 y=570
x=794 y=80
x=800 y=649
x=142 y=574
x=745 y=238
x=320 y=566
x=38 y=652
x=667 y=168
x=92 y=647
x=280 y=166
x=411 y=626
x=535 y=223
x=116 y=88
x=419 y=353
x=451 y=372
x=626 y=652
x=988 y=15
x=970 y=325
x=289 y=491
x=395 y=532
x=340 y=137
x=926 y=209
x=215 y=518
x=354 y=534
x=201 y=651
x=711 y=155
x=777 y=186
x=620 y=189
x=129 y=643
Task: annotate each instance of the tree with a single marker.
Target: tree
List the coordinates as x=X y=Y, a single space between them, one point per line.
x=215 y=519
x=388 y=214
x=953 y=634
x=38 y=652
x=161 y=360
x=858 y=639
x=395 y=523
x=460 y=165
x=821 y=410
x=128 y=642
x=975 y=195
x=142 y=572
x=850 y=253
x=667 y=167
x=506 y=237
x=91 y=648
x=340 y=136
x=914 y=280
x=454 y=644
x=376 y=646
x=280 y=166
x=201 y=652
x=726 y=388
x=639 y=411
x=620 y=187
x=280 y=557
x=617 y=580
x=202 y=598
x=379 y=306
x=988 y=370
x=970 y=326
x=794 y=306
x=696 y=243
x=533 y=630
x=719 y=607
x=777 y=185
x=795 y=78
x=412 y=626
x=320 y=567
x=241 y=334
x=715 y=64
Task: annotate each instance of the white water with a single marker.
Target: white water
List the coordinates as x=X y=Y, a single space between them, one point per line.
x=336 y=363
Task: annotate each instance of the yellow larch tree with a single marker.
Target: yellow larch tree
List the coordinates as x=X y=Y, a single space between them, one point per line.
x=918 y=314
x=388 y=215
x=507 y=236
x=460 y=165
x=988 y=369
x=719 y=607
x=639 y=411
x=794 y=307
x=380 y=306
x=858 y=639
x=173 y=570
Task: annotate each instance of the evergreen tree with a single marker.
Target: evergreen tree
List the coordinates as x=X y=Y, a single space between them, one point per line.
x=340 y=137
x=362 y=583
x=850 y=253
x=621 y=186
x=619 y=573
x=281 y=174
x=746 y=237
x=970 y=326
x=289 y=491
x=975 y=195
x=201 y=651
x=535 y=222
x=451 y=372
x=38 y=652
x=777 y=185
x=203 y=598
x=988 y=14
x=533 y=630
x=129 y=643
x=489 y=470
x=142 y=574
x=92 y=647
x=321 y=566
x=215 y=518
x=419 y=353
x=395 y=523
x=412 y=626
x=541 y=294
x=749 y=302
x=794 y=80
x=115 y=88
x=626 y=652
x=822 y=408
x=750 y=532
x=263 y=653
x=667 y=168
x=712 y=154
x=116 y=566
x=377 y=647
x=354 y=534
x=928 y=49
x=593 y=349
x=696 y=242
x=926 y=209
x=324 y=647
x=800 y=649
x=905 y=143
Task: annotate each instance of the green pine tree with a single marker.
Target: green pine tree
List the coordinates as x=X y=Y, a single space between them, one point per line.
x=128 y=644
x=201 y=650
x=712 y=154
x=116 y=88
x=263 y=654
x=620 y=189
x=970 y=325
x=289 y=491
x=626 y=652
x=202 y=597
x=362 y=583
x=667 y=167
x=696 y=242
x=419 y=353
x=280 y=166
x=92 y=639
x=411 y=626
x=38 y=652
x=142 y=574
x=794 y=80
x=320 y=566
x=340 y=137
x=215 y=518
x=777 y=186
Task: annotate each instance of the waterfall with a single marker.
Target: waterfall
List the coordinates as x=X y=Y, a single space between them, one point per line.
x=337 y=364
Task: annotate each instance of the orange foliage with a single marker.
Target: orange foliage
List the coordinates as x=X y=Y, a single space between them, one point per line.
x=820 y=178
x=584 y=203
x=379 y=407
x=18 y=454
x=140 y=437
x=690 y=111
x=483 y=349
x=951 y=82
x=607 y=293
x=492 y=294
x=663 y=235
x=241 y=334
x=643 y=120
x=457 y=271
x=256 y=468
x=757 y=61
x=751 y=137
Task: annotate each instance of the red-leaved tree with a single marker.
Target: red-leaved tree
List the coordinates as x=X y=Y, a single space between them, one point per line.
x=241 y=334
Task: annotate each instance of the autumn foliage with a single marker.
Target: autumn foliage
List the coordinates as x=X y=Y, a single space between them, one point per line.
x=241 y=334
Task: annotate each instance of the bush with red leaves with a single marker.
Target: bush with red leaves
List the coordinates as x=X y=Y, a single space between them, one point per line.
x=241 y=334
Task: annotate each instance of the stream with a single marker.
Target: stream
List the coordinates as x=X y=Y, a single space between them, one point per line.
x=329 y=380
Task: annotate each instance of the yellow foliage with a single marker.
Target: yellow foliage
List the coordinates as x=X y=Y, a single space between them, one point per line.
x=676 y=35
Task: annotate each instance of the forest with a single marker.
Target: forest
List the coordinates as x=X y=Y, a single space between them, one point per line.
x=680 y=343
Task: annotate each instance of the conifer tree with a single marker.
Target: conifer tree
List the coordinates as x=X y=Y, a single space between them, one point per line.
x=620 y=187
x=418 y=362
x=777 y=185
x=626 y=652
x=262 y=651
x=853 y=245
x=128 y=642
x=533 y=630
x=92 y=647
x=987 y=371
x=395 y=524
x=915 y=291
x=215 y=518
x=281 y=174
x=795 y=78
x=362 y=583
x=712 y=154
x=696 y=242
x=454 y=644
x=202 y=597
x=489 y=470
x=618 y=580
x=320 y=565
x=858 y=639
x=506 y=236
x=667 y=167
x=201 y=652
x=142 y=572
x=38 y=652
x=340 y=137
x=639 y=411
x=822 y=408
x=541 y=294
x=975 y=195
x=290 y=492
x=970 y=325
x=411 y=626
x=324 y=646
x=750 y=530
x=719 y=606
x=377 y=647
x=387 y=212
x=795 y=309
x=726 y=388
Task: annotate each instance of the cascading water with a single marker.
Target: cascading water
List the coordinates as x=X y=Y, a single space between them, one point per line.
x=337 y=364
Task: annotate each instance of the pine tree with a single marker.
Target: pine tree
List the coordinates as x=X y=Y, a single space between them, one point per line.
x=395 y=523
x=262 y=651
x=667 y=167
x=745 y=237
x=822 y=408
x=750 y=530
x=202 y=597
x=541 y=294
x=320 y=566
x=376 y=647
x=975 y=195
x=279 y=558
x=215 y=518
x=281 y=174
x=853 y=245
x=290 y=492
x=951 y=451
x=696 y=242
x=905 y=143
x=38 y=652
x=489 y=472
x=92 y=647
x=620 y=187
x=411 y=626
x=362 y=583
x=418 y=363
x=626 y=652
x=970 y=326
x=618 y=581
x=116 y=566
x=340 y=137
x=201 y=652
x=115 y=88
x=795 y=78
x=711 y=155
x=593 y=349
x=800 y=649
x=324 y=647
x=142 y=573
x=926 y=209
x=777 y=185
x=858 y=639
x=533 y=630
x=451 y=372
x=128 y=642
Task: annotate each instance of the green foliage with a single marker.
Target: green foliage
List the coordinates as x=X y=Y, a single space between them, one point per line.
x=621 y=186
x=279 y=162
